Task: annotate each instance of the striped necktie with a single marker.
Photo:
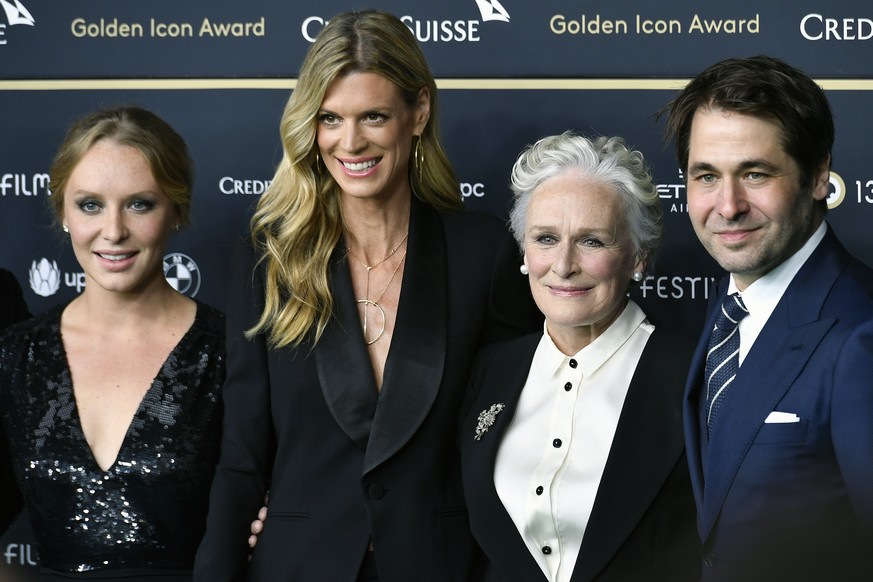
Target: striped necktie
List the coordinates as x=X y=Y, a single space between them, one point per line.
x=723 y=357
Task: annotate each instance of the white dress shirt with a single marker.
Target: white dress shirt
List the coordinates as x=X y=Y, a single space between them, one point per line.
x=762 y=296
x=552 y=456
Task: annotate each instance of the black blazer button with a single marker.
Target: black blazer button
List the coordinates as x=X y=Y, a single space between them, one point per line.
x=376 y=491
x=710 y=560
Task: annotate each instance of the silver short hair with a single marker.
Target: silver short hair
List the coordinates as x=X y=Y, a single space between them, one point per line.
x=605 y=159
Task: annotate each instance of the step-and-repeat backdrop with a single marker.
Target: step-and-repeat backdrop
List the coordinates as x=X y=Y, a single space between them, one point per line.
x=509 y=72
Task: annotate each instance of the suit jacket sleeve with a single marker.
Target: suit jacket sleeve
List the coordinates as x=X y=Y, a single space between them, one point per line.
x=11 y=502
x=242 y=473
x=852 y=420
x=12 y=305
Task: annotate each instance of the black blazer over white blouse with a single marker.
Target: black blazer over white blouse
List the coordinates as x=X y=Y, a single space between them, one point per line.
x=344 y=463
x=642 y=526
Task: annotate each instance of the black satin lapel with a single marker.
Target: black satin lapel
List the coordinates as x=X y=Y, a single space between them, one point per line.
x=507 y=375
x=344 y=368
x=648 y=443
x=414 y=368
x=492 y=525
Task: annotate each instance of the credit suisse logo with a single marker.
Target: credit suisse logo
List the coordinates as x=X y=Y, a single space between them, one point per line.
x=426 y=30
x=16 y=15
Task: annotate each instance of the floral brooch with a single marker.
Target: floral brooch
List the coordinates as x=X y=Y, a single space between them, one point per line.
x=486 y=419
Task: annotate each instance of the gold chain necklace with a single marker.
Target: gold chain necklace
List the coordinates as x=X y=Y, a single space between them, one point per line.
x=367 y=302
x=385 y=258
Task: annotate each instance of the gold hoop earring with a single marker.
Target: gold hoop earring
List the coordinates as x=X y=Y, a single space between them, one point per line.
x=418 y=158
x=317 y=163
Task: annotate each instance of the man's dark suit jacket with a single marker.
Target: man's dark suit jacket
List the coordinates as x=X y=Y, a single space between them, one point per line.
x=12 y=306
x=345 y=464
x=12 y=310
x=642 y=524
x=792 y=501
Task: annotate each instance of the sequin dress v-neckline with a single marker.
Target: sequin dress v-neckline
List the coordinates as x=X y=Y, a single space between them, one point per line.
x=146 y=403
x=146 y=512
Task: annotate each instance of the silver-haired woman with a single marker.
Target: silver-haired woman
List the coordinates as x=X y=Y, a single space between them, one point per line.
x=572 y=454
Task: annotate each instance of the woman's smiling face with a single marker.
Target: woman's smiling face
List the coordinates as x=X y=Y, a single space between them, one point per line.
x=118 y=218
x=365 y=134
x=580 y=257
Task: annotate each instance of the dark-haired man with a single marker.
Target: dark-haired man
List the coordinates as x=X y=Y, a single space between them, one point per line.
x=779 y=400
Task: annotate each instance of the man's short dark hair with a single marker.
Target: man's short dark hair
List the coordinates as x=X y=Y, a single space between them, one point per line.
x=764 y=87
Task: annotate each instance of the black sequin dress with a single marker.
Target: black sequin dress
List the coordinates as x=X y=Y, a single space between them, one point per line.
x=145 y=515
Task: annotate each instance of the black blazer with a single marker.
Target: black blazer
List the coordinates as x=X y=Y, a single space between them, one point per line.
x=344 y=463
x=642 y=526
x=12 y=306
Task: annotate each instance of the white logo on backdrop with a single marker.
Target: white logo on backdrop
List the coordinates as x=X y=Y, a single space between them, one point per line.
x=492 y=10
x=16 y=13
x=182 y=273
x=45 y=277
x=430 y=30
x=838 y=194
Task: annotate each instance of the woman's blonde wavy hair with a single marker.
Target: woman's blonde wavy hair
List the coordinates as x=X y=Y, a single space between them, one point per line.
x=298 y=221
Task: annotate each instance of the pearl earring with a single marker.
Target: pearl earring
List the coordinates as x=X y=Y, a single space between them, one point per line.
x=524 y=270
x=637 y=276
x=65 y=228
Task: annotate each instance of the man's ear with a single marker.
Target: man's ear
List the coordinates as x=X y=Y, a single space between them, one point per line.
x=821 y=180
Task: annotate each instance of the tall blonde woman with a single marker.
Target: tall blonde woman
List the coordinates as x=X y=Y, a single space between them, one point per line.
x=365 y=297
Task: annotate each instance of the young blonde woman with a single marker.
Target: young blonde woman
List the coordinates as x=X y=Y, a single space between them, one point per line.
x=112 y=403
x=365 y=297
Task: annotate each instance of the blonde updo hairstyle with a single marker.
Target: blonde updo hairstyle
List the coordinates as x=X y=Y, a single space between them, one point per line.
x=162 y=147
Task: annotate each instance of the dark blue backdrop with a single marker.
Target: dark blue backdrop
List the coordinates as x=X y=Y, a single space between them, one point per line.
x=589 y=65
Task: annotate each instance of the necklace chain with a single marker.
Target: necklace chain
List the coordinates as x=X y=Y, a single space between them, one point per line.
x=385 y=258
x=367 y=302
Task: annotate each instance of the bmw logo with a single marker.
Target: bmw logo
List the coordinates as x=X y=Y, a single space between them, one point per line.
x=182 y=273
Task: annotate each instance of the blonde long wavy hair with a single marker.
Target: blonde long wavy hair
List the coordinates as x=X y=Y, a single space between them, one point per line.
x=298 y=221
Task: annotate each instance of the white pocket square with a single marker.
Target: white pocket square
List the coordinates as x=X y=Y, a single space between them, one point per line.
x=777 y=417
